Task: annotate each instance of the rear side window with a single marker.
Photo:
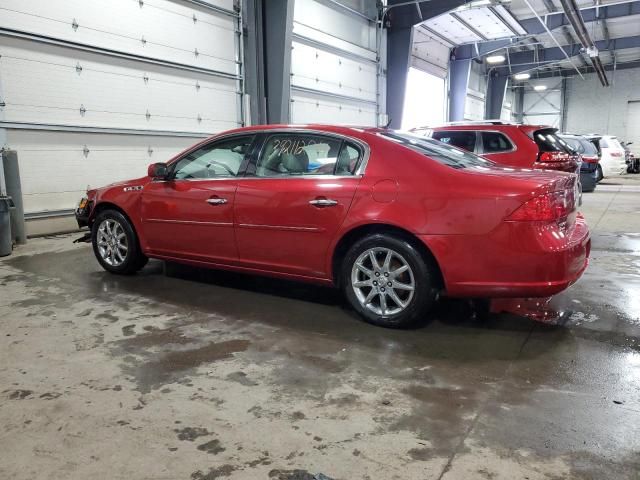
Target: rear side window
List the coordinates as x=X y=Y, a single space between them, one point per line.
x=495 y=142
x=464 y=140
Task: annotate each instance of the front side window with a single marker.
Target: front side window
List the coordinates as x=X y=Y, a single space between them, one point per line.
x=288 y=154
x=465 y=140
x=221 y=158
x=495 y=142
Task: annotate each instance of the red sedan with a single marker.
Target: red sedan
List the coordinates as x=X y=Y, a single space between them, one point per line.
x=392 y=219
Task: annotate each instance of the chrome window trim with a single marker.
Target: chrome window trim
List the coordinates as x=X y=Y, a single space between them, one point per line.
x=359 y=172
x=362 y=162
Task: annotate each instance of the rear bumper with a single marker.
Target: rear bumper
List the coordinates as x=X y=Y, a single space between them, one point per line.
x=518 y=260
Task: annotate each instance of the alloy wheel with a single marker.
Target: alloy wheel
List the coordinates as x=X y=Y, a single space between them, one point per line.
x=112 y=242
x=383 y=281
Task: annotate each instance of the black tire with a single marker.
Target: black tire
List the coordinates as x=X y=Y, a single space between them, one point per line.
x=599 y=174
x=133 y=260
x=422 y=273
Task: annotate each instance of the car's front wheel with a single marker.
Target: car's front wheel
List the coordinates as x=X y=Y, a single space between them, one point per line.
x=388 y=281
x=115 y=243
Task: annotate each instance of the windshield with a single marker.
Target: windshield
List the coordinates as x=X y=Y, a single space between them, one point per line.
x=451 y=156
x=582 y=146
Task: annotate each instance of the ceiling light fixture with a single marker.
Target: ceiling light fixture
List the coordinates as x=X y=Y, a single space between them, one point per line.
x=496 y=59
x=522 y=76
x=539 y=88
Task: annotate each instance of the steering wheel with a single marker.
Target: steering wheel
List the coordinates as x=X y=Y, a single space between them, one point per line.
x=213 y=162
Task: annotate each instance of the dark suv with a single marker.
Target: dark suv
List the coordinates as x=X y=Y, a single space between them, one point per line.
x=509 y=144
x=590 y=155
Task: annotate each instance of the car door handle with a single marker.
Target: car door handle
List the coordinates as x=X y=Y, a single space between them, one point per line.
x=216 y=201
x=323 y=202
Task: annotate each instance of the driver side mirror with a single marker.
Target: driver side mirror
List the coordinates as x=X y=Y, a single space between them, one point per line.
x=158 y=171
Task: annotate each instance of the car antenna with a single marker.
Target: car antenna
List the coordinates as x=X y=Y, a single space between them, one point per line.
x=388 y=123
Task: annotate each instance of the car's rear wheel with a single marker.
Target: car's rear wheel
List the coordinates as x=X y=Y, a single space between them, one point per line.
x=115 y=243
x=388 y=281
x=599 y=174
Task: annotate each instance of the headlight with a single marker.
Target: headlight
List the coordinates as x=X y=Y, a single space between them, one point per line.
x=83 y=203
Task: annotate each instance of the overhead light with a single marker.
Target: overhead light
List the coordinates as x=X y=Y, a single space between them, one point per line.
x=496 y=59
x=521 y=76
x=539 y=88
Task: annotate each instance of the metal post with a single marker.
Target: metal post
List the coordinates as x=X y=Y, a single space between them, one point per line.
x=14 y=190
x=399 y=43
x=496 y=89
x=278 y=26
x=459 y=71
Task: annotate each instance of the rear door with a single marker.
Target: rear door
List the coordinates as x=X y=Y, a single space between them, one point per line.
x=295 y=196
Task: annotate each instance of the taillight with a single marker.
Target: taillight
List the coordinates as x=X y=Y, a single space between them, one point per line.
x=548 y=207
x=553 y=157
x=616 y=154
x=590 y=159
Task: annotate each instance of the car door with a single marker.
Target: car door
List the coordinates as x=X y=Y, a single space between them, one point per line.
x=190 y=214
x=293 y=200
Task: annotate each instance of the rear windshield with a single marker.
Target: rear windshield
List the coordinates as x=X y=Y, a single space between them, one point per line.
x=447 y=155
x=548 y=141
x=610 y=143
x=582 y=146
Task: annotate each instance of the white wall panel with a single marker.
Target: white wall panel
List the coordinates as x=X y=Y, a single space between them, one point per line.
x=334 y=69
x=335 y=22
x=474 y=106
x=160 y=29
x=50 y=84
x=315 y=68
x=309 y=108
x=44 y=84
x=55 y=168
x=428 y=54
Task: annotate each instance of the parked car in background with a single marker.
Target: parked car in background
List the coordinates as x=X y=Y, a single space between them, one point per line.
x=590 y=158
x=509 y=144
x=633 y=163
x=396 y=221
x=612 y=161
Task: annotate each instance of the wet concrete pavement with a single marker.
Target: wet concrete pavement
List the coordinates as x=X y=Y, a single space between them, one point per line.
x=193 y=374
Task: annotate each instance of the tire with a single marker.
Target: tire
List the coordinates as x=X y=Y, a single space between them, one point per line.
x=358 y=269
x=599 y=174
x=115 y=243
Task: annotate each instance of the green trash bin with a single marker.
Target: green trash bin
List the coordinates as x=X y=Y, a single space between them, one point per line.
x=6 y=242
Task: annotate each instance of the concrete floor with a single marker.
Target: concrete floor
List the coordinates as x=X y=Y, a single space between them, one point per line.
x=204 y=375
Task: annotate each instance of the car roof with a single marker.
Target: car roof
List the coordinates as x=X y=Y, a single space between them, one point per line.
x=488 y=125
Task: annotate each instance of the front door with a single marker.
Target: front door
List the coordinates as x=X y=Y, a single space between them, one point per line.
x=290 y=209
x=190 y=215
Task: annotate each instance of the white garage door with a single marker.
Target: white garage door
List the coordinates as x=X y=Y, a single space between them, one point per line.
x=111 y=87
x=334 y=67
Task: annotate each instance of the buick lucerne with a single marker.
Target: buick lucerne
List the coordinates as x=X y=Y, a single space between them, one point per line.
x=392 y=219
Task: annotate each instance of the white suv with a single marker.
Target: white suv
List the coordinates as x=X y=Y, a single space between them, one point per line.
x=612 y=161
